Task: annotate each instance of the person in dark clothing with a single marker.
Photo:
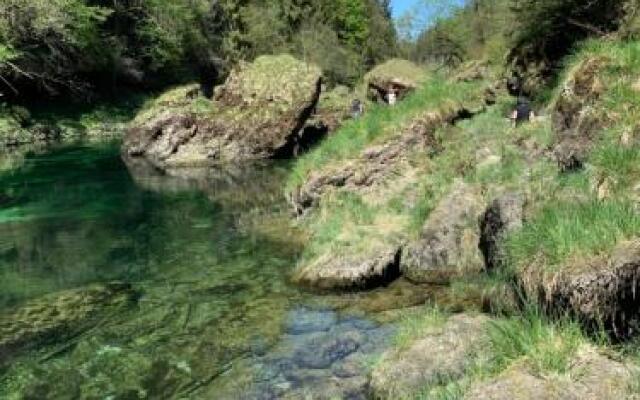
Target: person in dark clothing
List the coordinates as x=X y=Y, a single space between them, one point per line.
x=522 y=113
x=357 y=109
x=208 y=74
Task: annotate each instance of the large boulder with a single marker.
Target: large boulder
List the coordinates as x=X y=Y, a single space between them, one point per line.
x=448 y=244
x=258 y=114
x=445 y=352
x=360 y=270
x=397 y=74
x=593 y=376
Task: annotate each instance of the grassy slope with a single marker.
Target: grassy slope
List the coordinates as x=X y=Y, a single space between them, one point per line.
x=348 y=223
x=568 y=223
x=566 y=219
x=378 y=124
x=573 y=223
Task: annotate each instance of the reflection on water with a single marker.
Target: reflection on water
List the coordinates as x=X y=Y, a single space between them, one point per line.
x=204 y=309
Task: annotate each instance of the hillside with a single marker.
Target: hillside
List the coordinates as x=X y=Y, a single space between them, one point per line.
x=537 y=225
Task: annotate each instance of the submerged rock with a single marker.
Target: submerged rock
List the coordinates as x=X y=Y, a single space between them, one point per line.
x=259 y=113
x=444 y=351
x=60 y=316
x=448 y=244
x=593 y=376
x=323 y=354
x=303 y=321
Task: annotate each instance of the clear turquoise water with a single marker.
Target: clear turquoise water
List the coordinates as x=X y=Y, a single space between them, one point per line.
x=205 y=256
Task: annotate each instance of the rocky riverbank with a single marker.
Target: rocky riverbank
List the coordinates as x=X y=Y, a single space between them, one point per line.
x=539 y=217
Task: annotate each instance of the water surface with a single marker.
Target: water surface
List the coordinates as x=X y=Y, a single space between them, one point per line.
x=133 y=283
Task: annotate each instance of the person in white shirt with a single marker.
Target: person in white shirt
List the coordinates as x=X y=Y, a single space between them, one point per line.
x=392 y=97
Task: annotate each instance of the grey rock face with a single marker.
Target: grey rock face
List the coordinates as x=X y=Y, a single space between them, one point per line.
x=505 y=215
x=448 y=244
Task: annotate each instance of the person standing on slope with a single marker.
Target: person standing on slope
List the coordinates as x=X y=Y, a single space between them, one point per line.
x=357 y=109
x=392 y=97
x=522 y=113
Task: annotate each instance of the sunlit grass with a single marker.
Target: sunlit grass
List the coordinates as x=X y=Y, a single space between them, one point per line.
x=416 y=324
x=545 y=346
x=564 y=229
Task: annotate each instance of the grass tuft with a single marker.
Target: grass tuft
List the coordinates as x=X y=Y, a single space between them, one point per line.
x=546 y=346
x=416 y=324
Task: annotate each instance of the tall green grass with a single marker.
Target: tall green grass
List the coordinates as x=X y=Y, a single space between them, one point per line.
x=564 y=229
x=546 y=346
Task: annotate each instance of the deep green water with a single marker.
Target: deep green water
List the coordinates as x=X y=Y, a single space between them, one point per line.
x=202 y=258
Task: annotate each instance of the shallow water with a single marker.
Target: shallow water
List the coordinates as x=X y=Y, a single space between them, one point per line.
x=202 y=307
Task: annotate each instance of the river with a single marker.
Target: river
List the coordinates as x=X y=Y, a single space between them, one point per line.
x=202 y=259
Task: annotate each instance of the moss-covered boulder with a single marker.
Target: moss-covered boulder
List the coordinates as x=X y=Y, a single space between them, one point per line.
x=400 y=75
x=577 y=119
x=448 y=246
x=258 y=114
x=504 y=215
x=445 y=351
x=333 y=108
x=375 y=266
x=13 y=132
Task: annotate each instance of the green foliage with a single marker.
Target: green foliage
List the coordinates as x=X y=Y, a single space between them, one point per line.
x=479 y=30
x=552 y=27
x=63 y=45
x=44 y=39
x=350 y=18
x=7 y=53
